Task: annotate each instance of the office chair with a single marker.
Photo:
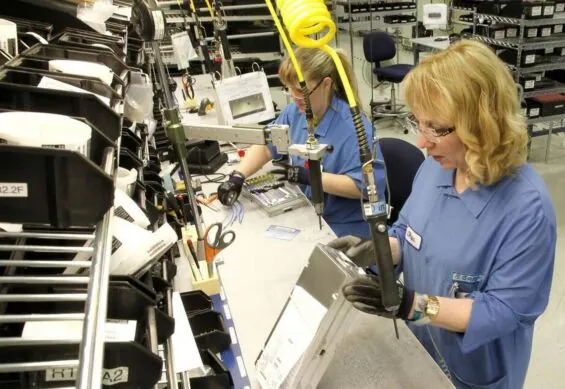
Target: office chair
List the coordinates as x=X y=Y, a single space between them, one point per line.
x=379 y=46
x=402 y=160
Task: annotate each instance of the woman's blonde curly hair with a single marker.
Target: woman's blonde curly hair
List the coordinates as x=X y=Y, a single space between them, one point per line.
x=469 y=86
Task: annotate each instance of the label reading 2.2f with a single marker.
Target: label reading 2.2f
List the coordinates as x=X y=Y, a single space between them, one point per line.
x=13 y=189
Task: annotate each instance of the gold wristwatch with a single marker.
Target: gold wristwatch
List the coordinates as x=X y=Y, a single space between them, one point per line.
x=432 y=307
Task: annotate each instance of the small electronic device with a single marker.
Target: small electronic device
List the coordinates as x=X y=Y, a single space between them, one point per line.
x=273 y=196
x=435 y=16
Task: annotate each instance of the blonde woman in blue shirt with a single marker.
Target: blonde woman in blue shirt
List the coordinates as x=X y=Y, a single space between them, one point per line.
x=476 y=239
x=341 y=176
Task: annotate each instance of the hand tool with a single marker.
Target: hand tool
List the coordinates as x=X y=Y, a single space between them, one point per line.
x=215 y=240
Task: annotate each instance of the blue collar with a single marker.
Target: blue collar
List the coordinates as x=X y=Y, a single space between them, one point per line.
x=325 y=124
x=474 y=199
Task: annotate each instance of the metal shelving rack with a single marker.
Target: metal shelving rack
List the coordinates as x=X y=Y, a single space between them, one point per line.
x=520 y=44
x=346 y=19
x=176 y=18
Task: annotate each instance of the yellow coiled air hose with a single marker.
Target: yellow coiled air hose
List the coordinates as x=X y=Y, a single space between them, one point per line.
x=299 y=74
x=305 y=18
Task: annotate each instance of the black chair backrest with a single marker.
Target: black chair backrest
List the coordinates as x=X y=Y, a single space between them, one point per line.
x=402 y=160
x=378 y=46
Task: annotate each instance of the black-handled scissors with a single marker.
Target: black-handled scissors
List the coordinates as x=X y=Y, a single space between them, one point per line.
x=188 y=85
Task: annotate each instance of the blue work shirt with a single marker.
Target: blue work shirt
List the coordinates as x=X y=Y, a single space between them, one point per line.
x=336 y=128
x=495 y=245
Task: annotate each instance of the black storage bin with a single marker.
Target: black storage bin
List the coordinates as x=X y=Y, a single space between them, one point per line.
x=497 y=31
x=553 y=104
x=209 y=331
x=545 y=31
x=528 y=82
x=221 y=379
x=533 y=10
x=512 y=32
x=84 y=39
x=510 y=56
x=534 y=108
x=195 y=301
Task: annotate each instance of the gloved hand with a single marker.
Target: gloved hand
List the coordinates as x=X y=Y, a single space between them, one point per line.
x=358 y=249
x=292 y=173
x=229 y=191
x=364 y=293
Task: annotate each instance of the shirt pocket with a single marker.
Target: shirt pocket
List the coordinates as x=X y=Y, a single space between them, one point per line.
x=463 y=285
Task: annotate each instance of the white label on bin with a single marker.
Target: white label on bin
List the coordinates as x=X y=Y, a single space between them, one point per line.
x=558 y=28
x=548 y=10
x=559 y=7
x=532 y=32
x=534 y=112
x=119 y=375
x=546 y=31
x=500 y=34
x=536 y=11
x=511 y=32
x=13 y=189
x=530 y=58
x=60 y=374
x=530 y=84
x=241 y=366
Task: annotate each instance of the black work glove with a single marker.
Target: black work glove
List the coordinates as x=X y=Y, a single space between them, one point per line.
x=292 y=173
x=229 y=191
x=359 y=250
x=364 y=293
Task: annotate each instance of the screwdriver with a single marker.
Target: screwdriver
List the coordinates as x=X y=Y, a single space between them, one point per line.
x=317 y=189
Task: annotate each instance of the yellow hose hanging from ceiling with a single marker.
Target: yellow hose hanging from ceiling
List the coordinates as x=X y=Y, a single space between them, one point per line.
x=304 y=18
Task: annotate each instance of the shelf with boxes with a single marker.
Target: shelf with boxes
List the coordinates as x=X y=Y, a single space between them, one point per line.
x=530 y=39
x=359 y=15
x=251 y=33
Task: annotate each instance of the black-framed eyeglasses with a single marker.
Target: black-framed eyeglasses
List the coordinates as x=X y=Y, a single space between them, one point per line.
x=432 y=134
x=290 y=94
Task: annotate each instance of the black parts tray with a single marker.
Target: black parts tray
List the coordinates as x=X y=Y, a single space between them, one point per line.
x=31 y=63
x=221 y=379
x=98 y=141
x=63 y=188
x=127 y=365
x=23 y=25
x=195 y=301
x=209 y=331
x=27 y=98
x=82 y=39
x=33 y=76
x=92 y=54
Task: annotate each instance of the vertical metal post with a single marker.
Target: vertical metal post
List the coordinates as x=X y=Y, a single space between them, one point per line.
x=169 y=352
x=91 y=356
x=350 y=34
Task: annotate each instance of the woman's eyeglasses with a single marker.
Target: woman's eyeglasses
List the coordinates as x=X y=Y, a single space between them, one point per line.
x=301 y=96
x=431 y=134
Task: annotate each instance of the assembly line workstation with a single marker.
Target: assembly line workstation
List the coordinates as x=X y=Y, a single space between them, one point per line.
x=258 y=272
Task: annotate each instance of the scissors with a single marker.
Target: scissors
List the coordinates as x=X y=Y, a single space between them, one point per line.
x=188 y=85
x=215 y=240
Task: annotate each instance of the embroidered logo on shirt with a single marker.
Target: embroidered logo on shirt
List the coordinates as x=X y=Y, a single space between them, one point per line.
x=414 y=239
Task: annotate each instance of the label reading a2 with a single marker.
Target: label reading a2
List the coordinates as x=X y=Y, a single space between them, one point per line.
x=13 y=189
x=115 y=376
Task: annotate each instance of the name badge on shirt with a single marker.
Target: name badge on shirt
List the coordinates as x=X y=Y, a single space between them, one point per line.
x=414 y=239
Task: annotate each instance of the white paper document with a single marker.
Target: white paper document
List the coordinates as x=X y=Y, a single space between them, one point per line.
x=290 y=339
x=186 y=354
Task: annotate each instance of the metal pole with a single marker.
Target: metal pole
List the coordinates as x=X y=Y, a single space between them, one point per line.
x=175 y=133
x=169 y=352
x=46 y=235
x=185 y=378
x=91 y=354
x=35 y=366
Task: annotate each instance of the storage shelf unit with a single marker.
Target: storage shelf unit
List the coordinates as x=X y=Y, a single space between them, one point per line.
x=521 y=44
x=243 y=34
